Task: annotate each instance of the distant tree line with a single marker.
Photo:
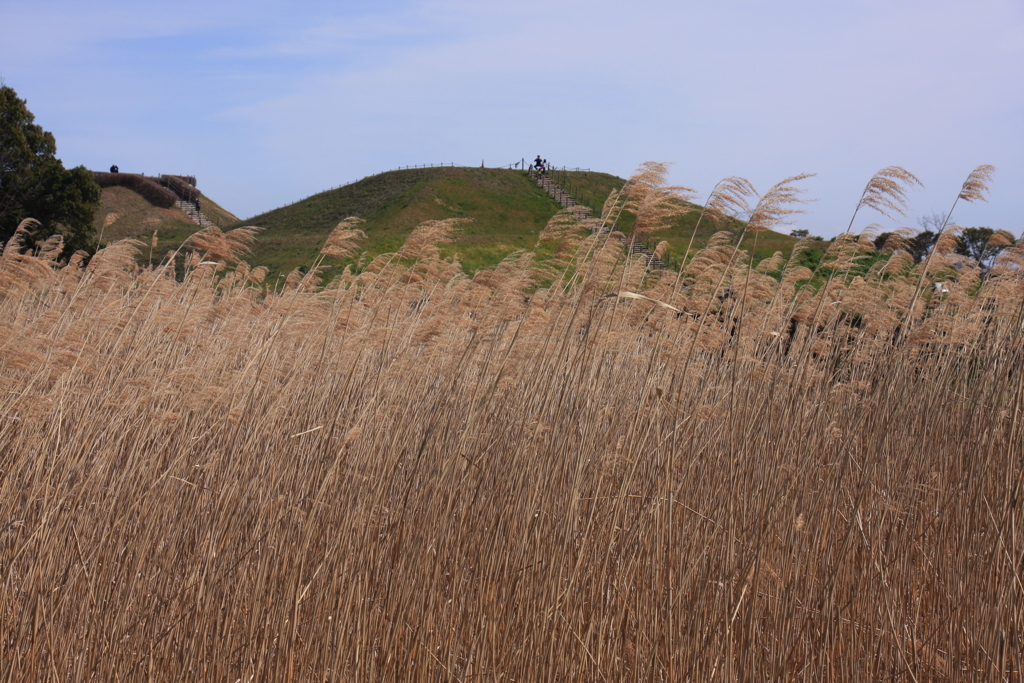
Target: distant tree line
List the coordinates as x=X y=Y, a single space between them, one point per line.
x=980 y=244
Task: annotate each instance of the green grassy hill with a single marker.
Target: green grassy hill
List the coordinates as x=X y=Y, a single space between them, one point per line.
x=508 y=211
x=507 y=207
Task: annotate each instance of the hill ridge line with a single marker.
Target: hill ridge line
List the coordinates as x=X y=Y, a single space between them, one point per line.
x=450 y=164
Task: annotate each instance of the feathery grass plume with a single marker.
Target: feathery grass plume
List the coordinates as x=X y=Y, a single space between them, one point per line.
x=229 y=247
x=204 y=274
x=311 y=280
x=610 y=207
x=115 y=264
x=598 y=267
x=16 y=244
x=772 y=263
x=899 y=239
x=792 y=263
x=661 y=249
x=772 y=210
x=999 y=242
x=974 y=189
x=646 y=180
x=294 y=279
x=777 y=205
x=795 y=273
x=558 y=227
x=866 y=239
x=611 y=211
x=946 y=263
x=716 y=252
x=344 y=240
x=843 y=254
x=729 y=197
x=577 y=249
x=1009 y=260
x=240 y=241
x=652 y=202
x=865 y=301
x=257 y=275
x=899 y=263
x=243 y=275
x=77 y=261
x=886 y=193
x=947 y=242
x=791 y=274
x=430 y=234
x=24 y=273
x=756 y=288
x=1000 y=239
x=429 y=269
x=512 y=276
x=51 y=249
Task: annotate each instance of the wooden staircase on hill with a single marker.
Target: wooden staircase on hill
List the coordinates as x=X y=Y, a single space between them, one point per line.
x=582 y=212
x=197 y=216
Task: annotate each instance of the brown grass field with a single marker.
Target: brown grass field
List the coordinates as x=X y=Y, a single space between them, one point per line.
x=580 y=470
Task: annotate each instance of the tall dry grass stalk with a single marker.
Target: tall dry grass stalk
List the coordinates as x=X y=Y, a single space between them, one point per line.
x=416 y=475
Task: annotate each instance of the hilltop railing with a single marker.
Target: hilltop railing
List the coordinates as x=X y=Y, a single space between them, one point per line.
x=403 y=168
x=180 y=185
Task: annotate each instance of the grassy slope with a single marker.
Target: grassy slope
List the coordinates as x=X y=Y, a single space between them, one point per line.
x=508 y=211
x=123 y=214
x=215 y=212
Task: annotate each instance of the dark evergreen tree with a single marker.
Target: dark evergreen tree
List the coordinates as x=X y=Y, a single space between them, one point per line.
x=35 y=184
x=983 y=244
x=921 y=243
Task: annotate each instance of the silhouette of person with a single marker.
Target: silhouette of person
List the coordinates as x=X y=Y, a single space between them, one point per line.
x=113 y=169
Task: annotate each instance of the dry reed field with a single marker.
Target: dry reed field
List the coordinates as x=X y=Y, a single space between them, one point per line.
x=564 y=470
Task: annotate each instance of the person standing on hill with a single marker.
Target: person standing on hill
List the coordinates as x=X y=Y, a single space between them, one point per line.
x=538 y=163
x=113 y=169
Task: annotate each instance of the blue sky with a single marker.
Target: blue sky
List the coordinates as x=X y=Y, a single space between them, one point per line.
x=267 y=102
